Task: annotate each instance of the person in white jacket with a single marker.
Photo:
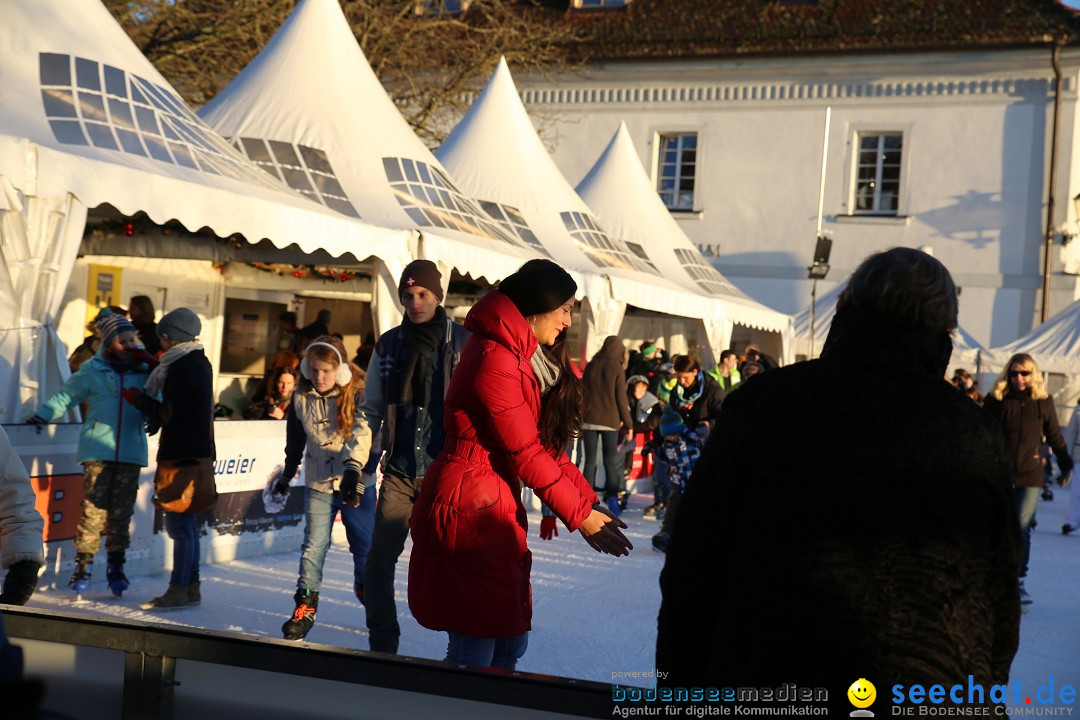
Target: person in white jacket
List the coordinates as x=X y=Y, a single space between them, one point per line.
x=21 y=528
x=1072 y=442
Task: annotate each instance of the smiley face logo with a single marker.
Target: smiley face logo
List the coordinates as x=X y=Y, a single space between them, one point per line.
x=862 y=693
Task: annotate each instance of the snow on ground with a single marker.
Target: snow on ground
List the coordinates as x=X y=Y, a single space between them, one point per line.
x=594 y=615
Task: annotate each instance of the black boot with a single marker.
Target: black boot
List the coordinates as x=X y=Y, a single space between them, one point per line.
x=114 y=573
x=80 y=579
x=303 y=617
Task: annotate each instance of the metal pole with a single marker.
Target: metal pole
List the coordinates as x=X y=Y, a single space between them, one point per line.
x=824 y=166
x=813 y=312
x=1048 y=239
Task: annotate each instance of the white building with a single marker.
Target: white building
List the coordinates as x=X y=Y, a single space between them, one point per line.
x=942 y=124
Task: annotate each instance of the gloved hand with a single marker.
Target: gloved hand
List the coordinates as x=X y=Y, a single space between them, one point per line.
x=351 y=488
x=130 y=394
x=39 y=423
x=140 y=355
x=281 y=487
x=548 y=528
x=20 y=583
x=1065 y=478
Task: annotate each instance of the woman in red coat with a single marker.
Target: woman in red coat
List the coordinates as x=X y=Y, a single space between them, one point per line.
x=511 y=408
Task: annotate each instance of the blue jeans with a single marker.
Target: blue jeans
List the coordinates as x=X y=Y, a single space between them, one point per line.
x=661 y=479
x=320 y=508
x=1027 y=500
x=614 y=465
x=185 y=536
x=487 y=652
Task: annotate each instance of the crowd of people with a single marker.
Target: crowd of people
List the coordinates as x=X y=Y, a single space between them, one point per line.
x=862 y=523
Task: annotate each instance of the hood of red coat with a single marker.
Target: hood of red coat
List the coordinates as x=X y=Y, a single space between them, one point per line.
x=496 y=317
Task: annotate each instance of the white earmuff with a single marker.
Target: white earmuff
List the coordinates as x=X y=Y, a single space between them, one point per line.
x=344 y=373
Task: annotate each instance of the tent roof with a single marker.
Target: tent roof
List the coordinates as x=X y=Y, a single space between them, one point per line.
x=1055 y=344
x=85 y=113
x=310 y=109
x=496 y=155
x=618 y=189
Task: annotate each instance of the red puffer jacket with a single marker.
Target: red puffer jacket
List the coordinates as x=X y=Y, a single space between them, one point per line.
x=469 y=571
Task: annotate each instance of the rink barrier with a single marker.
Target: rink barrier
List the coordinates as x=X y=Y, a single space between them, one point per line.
x=150 y=684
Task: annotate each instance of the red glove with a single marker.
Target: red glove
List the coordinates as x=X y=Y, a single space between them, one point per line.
x=548 y=528
x=139 y=355
x=130 y=394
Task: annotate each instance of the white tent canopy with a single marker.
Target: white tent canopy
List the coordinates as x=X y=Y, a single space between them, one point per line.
x=87 y=120
x=310 y=109
x=618 y=189
x=966 y=350
x=496 y=155
x=1055 y=344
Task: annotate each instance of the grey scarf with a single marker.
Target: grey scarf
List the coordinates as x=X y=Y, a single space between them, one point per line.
x=156 y=381
x=546 y=371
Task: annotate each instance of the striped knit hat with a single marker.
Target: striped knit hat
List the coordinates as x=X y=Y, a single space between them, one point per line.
x=110 y=324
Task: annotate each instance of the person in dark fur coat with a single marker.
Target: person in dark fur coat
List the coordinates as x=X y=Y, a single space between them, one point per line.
x=847 y=534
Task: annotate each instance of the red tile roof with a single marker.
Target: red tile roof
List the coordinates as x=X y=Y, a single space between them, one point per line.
x=719 y=28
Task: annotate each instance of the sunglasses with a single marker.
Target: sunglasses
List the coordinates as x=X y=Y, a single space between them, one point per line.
x=1021 y=373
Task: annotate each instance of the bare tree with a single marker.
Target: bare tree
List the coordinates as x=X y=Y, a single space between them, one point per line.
x=428 y=59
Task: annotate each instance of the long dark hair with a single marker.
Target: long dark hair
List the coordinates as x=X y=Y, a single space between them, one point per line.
x=540 y=286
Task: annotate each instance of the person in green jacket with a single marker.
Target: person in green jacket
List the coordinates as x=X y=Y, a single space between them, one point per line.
x=112 y=446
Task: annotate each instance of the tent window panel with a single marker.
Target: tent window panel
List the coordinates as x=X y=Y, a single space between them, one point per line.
x=393 y=170
x=410 y=170
x=54 y=69
x=181 y=154
x=68 y=132
x=58 y=102
x=285 y=153
x=417 y=215
x=137 y=94
x=343 y=207
x=256 y=150
x=115 y=81
x=121 y=114
x=425 y=176
x=514 y=215
x=492 y=209
x=169 y=131
x=328 y=185
x=316 y=160
x=87 y=74
x=101 y=136
x=156 y=147
x=207 y=163
x=528 y=236
x=92 y=107
x=129 y=141
x=296 y=179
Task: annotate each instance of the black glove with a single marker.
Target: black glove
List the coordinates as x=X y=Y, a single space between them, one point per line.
x=20 y=583
x=38 y=422
x=287 y=474
x=352 y=489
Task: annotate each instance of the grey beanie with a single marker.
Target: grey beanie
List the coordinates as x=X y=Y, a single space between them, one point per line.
x=181 y=325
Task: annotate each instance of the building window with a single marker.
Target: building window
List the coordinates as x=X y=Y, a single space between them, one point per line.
x=675 y=170
x=594 y=4
x=441 y=7
x=877 y=173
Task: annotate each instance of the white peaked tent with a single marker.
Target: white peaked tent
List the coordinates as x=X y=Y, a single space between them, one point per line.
x=310 y=109
x=497 y=157
x=86 y=120
x=967 y=352
x=1055 y=344
x=618 y=189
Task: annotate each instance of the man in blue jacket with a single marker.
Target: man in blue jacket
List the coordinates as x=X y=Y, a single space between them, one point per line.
x=407 y=379
x=112 y=446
